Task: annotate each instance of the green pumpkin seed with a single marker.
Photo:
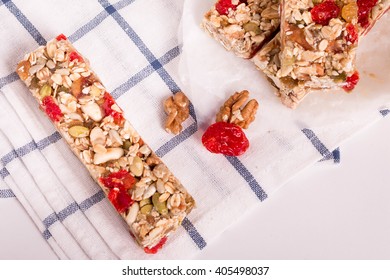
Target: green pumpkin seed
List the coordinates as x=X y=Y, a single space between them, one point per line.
x=161 y=207
x=78 y=131
x=146 y=209
x=46 y=90
x=252 y=27
x=145 y=202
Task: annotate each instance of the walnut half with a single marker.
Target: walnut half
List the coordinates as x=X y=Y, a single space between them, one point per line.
x=234 y=111
x=177 y=109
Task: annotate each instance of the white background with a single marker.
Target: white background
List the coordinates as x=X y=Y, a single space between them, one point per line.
x=328 y=211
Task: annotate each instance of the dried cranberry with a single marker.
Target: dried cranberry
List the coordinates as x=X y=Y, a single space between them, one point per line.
x=120 y=198
x=324 y=12
x=75 y=56
x=364 y=9
x=154 y=249
x=61 y=37
x=223 y=6
x=352 y=34
x=121 y=179
x=225 y=138
x=108 y=102
x=351 y=81
x=52 y=109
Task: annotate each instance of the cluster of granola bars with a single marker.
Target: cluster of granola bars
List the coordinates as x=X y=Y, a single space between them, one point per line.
x=150 y=198
x=315 y=47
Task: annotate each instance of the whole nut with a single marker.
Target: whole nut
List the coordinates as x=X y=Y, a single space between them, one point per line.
x=137 y=166
x=111 y=154
x=93 y=110
x=132 y=215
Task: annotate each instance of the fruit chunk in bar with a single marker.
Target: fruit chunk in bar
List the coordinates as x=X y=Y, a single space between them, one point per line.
x=150 y=198
x=268 y=58
x=242 y=26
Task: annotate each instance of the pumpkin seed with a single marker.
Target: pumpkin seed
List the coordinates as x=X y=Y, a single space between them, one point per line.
x=78 y=131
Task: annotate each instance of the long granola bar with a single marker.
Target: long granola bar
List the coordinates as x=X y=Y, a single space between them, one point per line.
x=268 y=58
x=242 y=26
x=150 y=198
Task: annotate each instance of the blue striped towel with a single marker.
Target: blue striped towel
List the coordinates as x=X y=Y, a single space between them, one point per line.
x=135 y=48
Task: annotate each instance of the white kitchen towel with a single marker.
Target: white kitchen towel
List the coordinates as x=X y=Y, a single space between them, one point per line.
x=134 y=47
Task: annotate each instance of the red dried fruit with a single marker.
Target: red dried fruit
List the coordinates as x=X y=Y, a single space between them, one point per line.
x=121 y=179
x=61 y=37
x=364 y=9
x=120 y=199
x=223 y=6
x=75 y=55
x=324 y=12
x=352 y=33
x=52 y=109
x=351 y=81
x=154 y=249
x=108 y=102
x=225 y=138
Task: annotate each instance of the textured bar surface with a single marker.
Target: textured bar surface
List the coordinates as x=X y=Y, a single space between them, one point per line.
x=245 y=26
x=150 y=198
x=268 y=59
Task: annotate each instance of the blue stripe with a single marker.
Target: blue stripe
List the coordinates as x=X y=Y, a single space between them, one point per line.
x=317 y=143
x=336 y=155
x=141 y=46
x=8 y=157
x=176 y=140
x=69 y=210
x=25 y=22
x=8 y=79
x=89 y=202
x=4 y=172
x=193 y=233
x=45 y=142
x=29 y=147
x=248 y=177
x=145 y=72
x=46 y=234
x=79 y=33
x=384 y=112
x=7 y=193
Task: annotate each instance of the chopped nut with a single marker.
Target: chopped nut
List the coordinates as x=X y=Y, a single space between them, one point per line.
x=111 y=154
x=234 y=111
x=177 y=109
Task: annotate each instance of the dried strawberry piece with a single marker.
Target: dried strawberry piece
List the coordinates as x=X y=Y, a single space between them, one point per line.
x=324 y=12
x=75 y=56
x=52 y=109
x=120 y=198
x=108 y=102
x=364 y=9
x=223 y=6
x=61 y=37
x=351 y=81
x=121 y=179
x=154 y=249
x=352 y=33
x=225 y=138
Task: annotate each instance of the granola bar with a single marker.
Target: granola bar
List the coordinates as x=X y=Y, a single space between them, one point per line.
x=268 y=58
x=242 y=26
x=147 y=195
x=318 y=43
